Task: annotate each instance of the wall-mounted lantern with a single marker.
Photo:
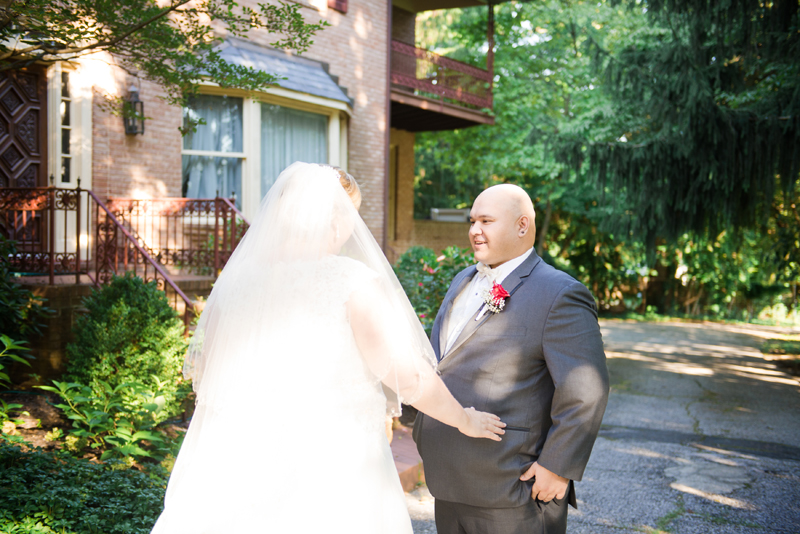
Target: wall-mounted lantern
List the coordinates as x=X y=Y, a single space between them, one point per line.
x=133 y=113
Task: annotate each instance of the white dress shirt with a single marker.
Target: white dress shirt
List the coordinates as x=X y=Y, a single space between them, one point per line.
x=467 y=303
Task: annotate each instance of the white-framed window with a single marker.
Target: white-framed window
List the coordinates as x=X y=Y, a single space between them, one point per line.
x=65 y=116
x=246 y=140
x=69 y=146
x=69 y=131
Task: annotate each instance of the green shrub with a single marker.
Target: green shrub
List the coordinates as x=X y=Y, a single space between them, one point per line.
x=21 y=314
x=7 y=410
x=129 y=335
x=120 y=422
x=426 y=278
x=43 y=493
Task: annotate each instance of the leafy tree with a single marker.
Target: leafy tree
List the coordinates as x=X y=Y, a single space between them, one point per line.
x=550 y=94
x=544 y=86
x=716 y=87
x=171 y=43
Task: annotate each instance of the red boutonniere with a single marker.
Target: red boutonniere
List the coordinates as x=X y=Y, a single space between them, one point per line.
x=494 y=299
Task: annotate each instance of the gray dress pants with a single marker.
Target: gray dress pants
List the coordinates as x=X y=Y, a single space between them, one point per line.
x=536 y=517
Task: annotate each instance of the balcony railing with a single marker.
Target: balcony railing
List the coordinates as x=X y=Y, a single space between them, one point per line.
x=66 y=233
x=428 y=73
x=183 y=234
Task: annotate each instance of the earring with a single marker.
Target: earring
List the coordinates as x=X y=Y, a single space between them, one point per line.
x=337 y=232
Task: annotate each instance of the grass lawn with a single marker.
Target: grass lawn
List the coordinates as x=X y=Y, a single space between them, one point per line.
x=785 y=352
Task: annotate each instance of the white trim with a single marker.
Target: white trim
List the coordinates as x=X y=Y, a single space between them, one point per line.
x=53 y=124
x=281 y=97
x=251 y=167
x=337 y=113
x=214 y=153
x=334 y=153
x=80 y=140
x=343 y=159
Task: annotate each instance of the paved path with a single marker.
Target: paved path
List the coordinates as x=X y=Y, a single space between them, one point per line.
x=701 y=435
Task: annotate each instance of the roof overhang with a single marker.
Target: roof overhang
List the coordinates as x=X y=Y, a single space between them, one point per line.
x=300 y=75
x=415 y=6
x=416 y=113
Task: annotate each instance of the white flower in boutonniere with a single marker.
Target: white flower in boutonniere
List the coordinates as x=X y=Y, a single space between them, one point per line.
x=494 y=299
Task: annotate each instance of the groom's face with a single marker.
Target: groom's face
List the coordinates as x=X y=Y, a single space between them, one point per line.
x=493 y=229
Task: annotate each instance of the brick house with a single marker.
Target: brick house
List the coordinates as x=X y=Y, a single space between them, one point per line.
x=355 y=99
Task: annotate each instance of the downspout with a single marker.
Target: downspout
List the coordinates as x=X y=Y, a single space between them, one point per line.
x=386 y=140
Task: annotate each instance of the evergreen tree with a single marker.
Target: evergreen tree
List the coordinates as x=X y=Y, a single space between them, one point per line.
x=712 y=90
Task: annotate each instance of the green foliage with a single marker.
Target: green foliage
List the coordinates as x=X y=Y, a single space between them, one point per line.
x=781 y=346
x=7 y=409
x=556 y=104
x=712 y=92
x=9 y=347
x=120 y=421
x=426 y=278
x=44 y=493
x=129 y=335
x=172 y=43
x=788 y=351
x=21 y=314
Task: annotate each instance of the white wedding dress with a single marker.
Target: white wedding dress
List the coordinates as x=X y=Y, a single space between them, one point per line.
x=304 y=327
x=296 y=443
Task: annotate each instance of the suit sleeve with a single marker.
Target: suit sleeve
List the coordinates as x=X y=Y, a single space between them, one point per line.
x=573 y=351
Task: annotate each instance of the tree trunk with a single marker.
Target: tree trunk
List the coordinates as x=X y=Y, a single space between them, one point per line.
x=540 y=239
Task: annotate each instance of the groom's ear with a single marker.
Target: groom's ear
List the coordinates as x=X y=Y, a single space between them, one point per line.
x=523 y=226
x=526 y=229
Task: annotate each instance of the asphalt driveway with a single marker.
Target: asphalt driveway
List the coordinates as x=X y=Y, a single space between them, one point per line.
x=701 y=435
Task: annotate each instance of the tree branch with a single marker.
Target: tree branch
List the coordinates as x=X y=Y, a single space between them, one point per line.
x=117 y=40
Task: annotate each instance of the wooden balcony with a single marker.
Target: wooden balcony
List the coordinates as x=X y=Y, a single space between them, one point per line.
x=430 y=92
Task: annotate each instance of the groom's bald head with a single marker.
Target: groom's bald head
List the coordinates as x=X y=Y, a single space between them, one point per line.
x=503 y=224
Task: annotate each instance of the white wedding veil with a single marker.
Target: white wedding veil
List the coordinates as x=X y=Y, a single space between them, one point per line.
x=257 y=319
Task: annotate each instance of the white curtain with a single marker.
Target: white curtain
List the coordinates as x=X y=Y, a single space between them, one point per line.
x=204 y=176
x=289 y=135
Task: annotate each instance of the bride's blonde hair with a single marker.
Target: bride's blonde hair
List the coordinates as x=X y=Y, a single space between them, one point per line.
x=350 y=186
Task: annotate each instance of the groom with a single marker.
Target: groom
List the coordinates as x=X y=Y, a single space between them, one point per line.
x=536 y=359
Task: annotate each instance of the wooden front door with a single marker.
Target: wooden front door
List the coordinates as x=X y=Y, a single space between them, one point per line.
x=23 y=128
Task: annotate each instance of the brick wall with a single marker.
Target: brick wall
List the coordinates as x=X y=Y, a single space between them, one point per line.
x=404 y=25
x=435 y=235
x=355 y=47
x=404 y=208
x=49 y=350
x=143 y=166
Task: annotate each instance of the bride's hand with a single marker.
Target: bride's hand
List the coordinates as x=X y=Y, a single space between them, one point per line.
x=482 y=425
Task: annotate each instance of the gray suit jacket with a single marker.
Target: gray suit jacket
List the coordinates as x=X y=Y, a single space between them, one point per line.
x=539 y=365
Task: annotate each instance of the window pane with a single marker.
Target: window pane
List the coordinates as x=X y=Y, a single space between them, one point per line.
x=65 y=166
x=289 y=135
x=203 y=176
x=222 y=131
x=65 y=140
x=65 y=109
x=64 y=85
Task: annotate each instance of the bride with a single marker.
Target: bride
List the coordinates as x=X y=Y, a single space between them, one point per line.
x=306 y=343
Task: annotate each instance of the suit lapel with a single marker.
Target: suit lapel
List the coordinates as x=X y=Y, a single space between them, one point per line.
x=447 y=307
x=511 y=283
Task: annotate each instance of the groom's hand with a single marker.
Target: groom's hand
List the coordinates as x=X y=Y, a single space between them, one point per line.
x=546 y=484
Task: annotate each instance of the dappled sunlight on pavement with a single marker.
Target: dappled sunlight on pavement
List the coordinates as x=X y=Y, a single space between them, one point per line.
x=701 y=435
